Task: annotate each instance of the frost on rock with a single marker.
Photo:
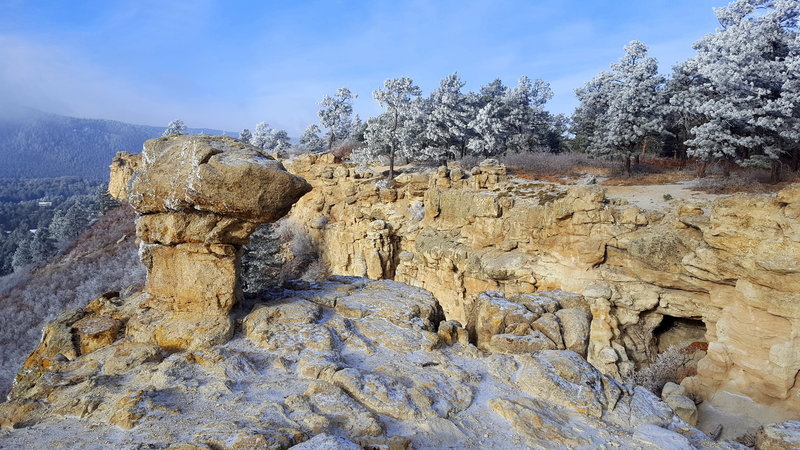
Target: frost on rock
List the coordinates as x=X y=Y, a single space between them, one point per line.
x=346 y=363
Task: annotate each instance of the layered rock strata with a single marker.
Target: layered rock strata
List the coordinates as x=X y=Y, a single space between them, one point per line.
x=347 y=363
x=199 y=198
x=729 y=266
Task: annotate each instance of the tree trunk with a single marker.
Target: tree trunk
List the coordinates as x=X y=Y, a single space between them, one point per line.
x=795 y=161
x=391 y=164
x=775 y=172
x=644 y=146
x=726 y=168
x=628 y=165
x=701 y=169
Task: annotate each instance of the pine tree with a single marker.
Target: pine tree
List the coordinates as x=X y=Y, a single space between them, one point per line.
x=22 y=255
x=311 y=141
x=43 y=247
x=621 y=108
x=245 y=135
x=175 y=127
x=746 y=87
x=446 y=127
x=397 y=98
x=336 y=115
x=527 y=121
x=489 y=125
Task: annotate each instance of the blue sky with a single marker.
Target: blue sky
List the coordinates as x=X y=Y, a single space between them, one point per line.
x=231 y=64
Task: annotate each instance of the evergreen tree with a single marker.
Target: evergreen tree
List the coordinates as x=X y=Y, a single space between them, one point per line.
x=104 y=202
x=42 y=247
x=311 y=141
x=175 y=127
x=245 y=135
x=397 y=98
x=489 y=124
x=336 y=115
x=745 y=86
x=527 y=121
x=446 y=128
x=621 y=108
x=262 y=136
x=23 y=256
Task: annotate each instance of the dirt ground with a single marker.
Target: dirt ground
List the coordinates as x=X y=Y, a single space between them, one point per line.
x=652 y=196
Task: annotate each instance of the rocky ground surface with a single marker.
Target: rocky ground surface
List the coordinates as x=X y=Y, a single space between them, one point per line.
x=341 y=364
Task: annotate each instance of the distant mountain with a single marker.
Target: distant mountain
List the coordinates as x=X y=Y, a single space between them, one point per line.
x=35 y=144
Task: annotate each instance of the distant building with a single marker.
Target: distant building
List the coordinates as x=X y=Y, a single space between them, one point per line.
x=43 y=204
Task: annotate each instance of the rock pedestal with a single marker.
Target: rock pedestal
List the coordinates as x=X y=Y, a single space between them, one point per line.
x=199 y=199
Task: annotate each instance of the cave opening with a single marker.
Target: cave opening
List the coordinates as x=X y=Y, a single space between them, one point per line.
x=685 y=333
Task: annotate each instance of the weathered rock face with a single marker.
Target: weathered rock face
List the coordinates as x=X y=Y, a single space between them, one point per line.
x=730 y=264
x=199 y=199
x=213 y=174
x=346 y=363
x=122 y=168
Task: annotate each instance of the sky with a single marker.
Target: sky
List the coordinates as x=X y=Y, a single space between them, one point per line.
x=231 y=64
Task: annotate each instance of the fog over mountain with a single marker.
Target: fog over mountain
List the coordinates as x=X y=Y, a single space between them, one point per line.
x=36 y=144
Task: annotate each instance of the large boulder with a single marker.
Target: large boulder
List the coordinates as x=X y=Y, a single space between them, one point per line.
x=216 y=174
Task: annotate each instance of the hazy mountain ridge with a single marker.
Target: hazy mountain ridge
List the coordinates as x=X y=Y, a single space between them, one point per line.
x=35 y=144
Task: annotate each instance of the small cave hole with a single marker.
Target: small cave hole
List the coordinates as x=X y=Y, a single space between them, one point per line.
x=684 y=333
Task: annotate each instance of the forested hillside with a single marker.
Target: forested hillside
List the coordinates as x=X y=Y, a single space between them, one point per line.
x=35 y=144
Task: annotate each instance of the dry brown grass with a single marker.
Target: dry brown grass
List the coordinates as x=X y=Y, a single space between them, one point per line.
x=555 y=167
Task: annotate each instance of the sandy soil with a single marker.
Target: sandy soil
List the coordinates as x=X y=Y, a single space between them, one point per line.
x=652 y=196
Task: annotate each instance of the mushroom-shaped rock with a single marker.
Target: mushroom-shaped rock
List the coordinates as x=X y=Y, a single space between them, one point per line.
x=216 y=174
x=199 y=198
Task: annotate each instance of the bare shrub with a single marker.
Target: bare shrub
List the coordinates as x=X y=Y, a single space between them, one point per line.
x=556 y=164
x=667 y=367
x=345 y=148
x=747 y=439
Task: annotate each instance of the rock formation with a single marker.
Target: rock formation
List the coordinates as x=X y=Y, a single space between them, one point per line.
x=122 y=168
x=350 y=363
x=199 y=198
x=382 y=364
x=725 y=270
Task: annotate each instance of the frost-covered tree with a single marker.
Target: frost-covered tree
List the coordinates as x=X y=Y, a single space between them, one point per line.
x=22 y=255
x=489 y=125
x=104 y=202
x=68 y=223
x=447 y=124
x=336 y=114
x=621 y=108
x=43 y=246
x=261 y=136
x=745 y=86
x=269 y=139
x=527 y=121
x=587 y=118
x=397 y=97
x=245 y=135
x=175 y=127
x=311 y=141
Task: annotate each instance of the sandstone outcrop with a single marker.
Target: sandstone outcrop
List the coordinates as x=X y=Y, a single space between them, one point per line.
x=122 y=168
x=346 y=363
x=199 y=198
x=726 y=269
